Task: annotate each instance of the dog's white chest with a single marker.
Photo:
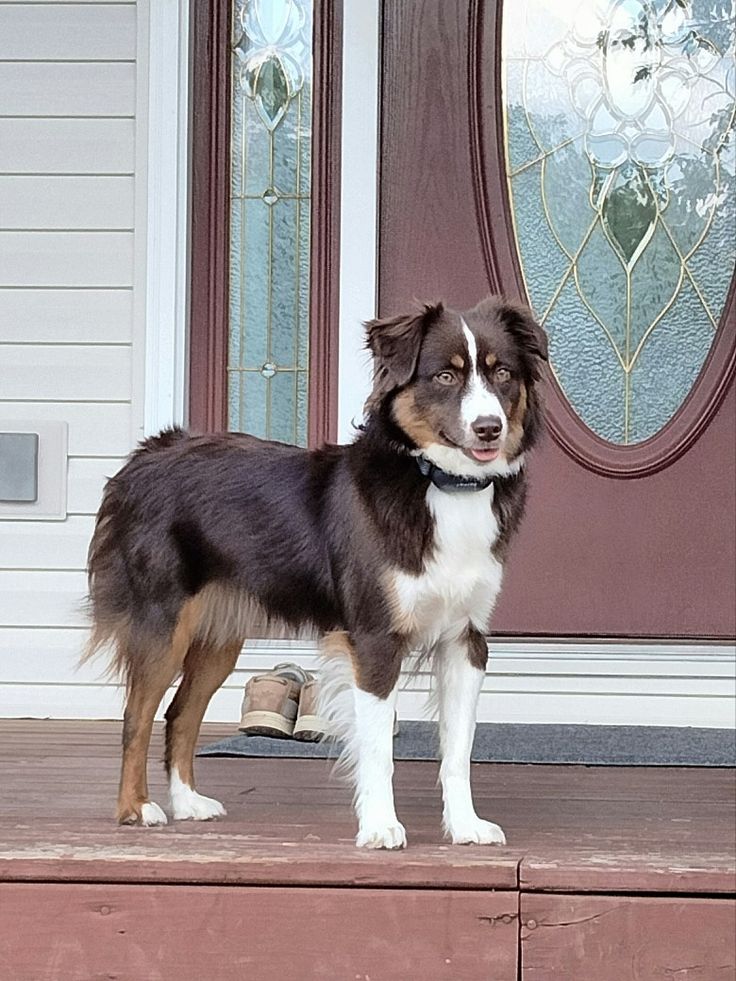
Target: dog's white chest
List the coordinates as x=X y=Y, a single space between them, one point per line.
x=461 y=578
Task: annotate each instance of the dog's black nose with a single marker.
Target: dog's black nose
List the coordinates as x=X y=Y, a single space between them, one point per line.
x=487 y=428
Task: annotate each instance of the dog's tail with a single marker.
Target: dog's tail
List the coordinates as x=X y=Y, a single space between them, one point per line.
x=108 y=604
x=162 y=441
x=336 y=701
x=128 y=614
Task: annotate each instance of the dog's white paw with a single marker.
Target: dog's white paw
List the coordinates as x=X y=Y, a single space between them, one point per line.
x=152 y=815
x=188 y=805
x=195 y=807
x=475 y=832
x=381 y=836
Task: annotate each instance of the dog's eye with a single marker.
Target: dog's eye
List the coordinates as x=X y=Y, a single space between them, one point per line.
x=445 y=378
x=502 y=375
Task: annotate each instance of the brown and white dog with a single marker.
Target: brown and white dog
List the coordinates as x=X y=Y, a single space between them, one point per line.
x=393 y=543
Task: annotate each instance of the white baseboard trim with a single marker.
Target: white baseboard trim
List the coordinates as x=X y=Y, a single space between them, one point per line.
x=632 y=683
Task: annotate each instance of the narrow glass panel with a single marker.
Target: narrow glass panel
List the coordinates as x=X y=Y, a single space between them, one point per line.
x=270 y=211
x=622 y=177
x=283 y=418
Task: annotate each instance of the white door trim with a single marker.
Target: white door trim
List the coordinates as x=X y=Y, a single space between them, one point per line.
x=358 y=207
x=162 y=211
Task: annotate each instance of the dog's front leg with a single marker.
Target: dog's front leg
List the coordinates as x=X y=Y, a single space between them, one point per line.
x=360 y=674
x=460 y=669
x=378 y=826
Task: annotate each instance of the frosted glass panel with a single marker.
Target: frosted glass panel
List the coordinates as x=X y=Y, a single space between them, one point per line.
x=268 y=352
x=621 y=169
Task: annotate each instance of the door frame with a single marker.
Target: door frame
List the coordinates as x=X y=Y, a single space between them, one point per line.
x=211 y=29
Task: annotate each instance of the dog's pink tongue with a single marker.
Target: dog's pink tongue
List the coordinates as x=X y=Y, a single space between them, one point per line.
x=484 y=456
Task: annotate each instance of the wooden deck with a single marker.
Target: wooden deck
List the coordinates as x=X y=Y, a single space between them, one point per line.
x=610 y=873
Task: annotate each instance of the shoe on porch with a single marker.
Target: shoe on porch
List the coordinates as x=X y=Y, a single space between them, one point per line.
x=282 y=703
x=310 y=727
x=271 y=702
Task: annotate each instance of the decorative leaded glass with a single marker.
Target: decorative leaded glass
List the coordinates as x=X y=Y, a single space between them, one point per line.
x=621 y=167
x=268 y=355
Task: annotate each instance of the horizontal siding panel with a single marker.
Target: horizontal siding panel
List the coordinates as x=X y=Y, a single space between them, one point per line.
x=100 y=701
x=67 y=146
x=64 y=372
x=87 y=479
x=584 y=684
x=95 y=429
x=562 y=668
x=70 y=701
x=45 y=545
x=60 y=702
x=264 y=655
x=57 y=89
x=42 y=599
x=62 y=31
x=553 y=708
x=32 y=655
x=44 y=654
x=50 y=656
x=66 y=316
x=523 y=685
x=66 y=259
x=66 y=202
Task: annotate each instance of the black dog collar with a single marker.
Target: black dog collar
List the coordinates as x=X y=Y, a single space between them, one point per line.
x=450 y=481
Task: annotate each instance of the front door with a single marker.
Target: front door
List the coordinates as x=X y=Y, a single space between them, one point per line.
x=581 y=156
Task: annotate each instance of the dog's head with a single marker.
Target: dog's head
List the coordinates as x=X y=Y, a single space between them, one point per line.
x=461 y=387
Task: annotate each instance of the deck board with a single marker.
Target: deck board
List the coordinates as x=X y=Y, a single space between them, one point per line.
x=570 y=828
x=263 y=934
x=576 y=938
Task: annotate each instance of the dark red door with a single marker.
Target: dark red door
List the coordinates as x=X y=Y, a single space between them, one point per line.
x=583 y=166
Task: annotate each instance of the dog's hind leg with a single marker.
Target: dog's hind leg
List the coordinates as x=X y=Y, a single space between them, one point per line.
x=205 y=668
x=148 y=676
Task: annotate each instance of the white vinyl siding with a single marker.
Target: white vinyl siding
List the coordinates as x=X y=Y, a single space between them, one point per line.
x=69 y=258
x=67 y=89
x=66 y=372
x=586 y=684
x=53 y=316
x=72 y=193
x=78 y=147
x=87 y=477
x=67 y=203
x=68 y=32
x=96 y=429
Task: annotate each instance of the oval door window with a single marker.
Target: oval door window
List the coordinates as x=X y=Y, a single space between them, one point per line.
x=621 y=164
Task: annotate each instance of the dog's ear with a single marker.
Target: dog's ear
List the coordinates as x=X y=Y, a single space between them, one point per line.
x=395 y=343
x=520 y=323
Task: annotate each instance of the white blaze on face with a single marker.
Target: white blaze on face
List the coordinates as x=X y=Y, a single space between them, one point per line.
x=478 y=401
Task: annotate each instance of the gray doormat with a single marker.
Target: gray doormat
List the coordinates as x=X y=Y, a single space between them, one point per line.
x=516 y=743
